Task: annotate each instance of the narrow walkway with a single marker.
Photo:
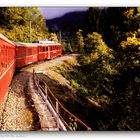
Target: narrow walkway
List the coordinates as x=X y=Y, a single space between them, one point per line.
x=47 y=121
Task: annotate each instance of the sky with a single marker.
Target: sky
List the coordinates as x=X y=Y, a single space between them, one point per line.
x=50 y=13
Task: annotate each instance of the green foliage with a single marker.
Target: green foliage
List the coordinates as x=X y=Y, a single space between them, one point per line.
x=131 y=51
x=109 y=68
x=99 y=64
x=67 y=48
x=80 y=41
x=114 y=73
x=15 y=23
x=53 y=37
x=94 y=43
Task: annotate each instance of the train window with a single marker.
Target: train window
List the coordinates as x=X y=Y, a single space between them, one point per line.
x=46 y=48
x=35 y=51
x=41 y=49
x=29 y=51
x=6 y=56
x=1 y=64
x=2 y=67
x=24 y=51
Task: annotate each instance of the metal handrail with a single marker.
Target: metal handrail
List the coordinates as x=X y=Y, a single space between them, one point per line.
x=60 y=105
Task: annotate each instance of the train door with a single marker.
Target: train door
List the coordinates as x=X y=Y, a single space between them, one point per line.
x=35 y=54
x=24 y=53
x=30 y=49
x=48 y=52
x=40 y=52
x=3 y=58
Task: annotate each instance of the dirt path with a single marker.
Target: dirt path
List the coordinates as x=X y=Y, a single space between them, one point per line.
x=19 y=113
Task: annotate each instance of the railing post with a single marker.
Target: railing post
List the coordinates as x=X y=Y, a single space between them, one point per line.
x=46 y=92
x=33 y=73
x=57 y=111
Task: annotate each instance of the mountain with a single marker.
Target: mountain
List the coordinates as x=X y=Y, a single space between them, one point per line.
x=70 y=22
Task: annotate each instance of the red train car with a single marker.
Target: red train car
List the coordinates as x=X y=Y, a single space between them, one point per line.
x=55 y=49
x=7 y=64
x=43 y=51
x=49 y=50
x=14 y=55
x=26 y=53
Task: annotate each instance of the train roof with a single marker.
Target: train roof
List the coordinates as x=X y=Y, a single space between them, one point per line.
x=44 y=44
x=35 y=44
x=25 y=44
x=45 y=41
x=6 y=39
x=48 y=42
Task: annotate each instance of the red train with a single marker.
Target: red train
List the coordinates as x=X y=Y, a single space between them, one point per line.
x=15 y=55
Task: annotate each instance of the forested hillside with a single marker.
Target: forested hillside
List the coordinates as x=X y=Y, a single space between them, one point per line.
x=15 y=23
x=109 y=70
x=107 y=74
x=68 y=25
x=70 y=22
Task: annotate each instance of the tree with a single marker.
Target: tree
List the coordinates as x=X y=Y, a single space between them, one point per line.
x=80 y=41
x=92 y=20
x=53 y=37
x=15 y=23
x=113 y=62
